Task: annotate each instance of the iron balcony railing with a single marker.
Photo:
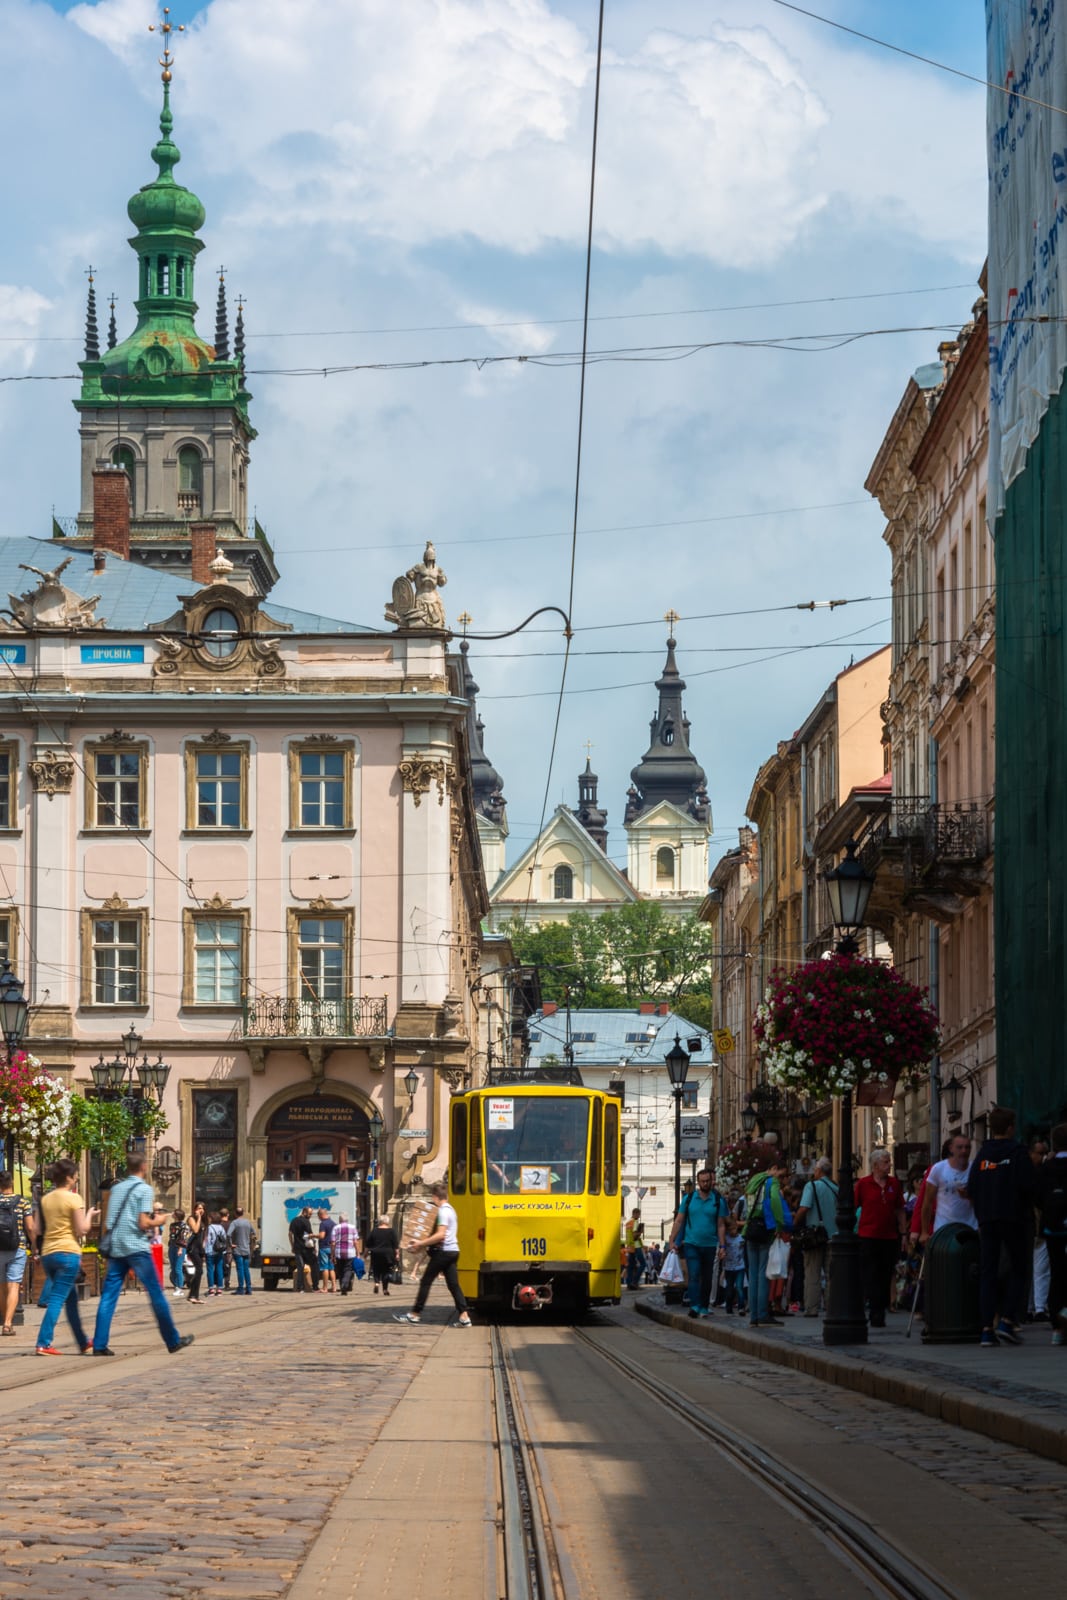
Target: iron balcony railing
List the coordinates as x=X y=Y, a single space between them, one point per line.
x=354 y=1017
x=957 y=832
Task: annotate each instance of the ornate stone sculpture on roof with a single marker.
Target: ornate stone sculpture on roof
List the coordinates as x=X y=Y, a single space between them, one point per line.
x=51 y=604
x=416 y=602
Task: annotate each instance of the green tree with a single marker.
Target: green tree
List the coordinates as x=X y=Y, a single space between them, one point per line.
x=617 y=959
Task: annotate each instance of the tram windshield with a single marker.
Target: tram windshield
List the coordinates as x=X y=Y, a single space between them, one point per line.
x=536 y=1144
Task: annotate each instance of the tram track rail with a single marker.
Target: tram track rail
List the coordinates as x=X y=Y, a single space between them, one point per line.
x=884 y=1569
x=531 y=1563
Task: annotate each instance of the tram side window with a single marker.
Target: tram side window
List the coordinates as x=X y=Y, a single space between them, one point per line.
x=594 y=1149
x=477 y=1163
x=611 y=1149
x=459 y=1147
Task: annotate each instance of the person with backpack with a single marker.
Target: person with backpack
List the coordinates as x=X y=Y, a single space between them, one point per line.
x=132 y=1217
x=768 y=1217
x=700 y=1228
x=816 y=1222
x=1002 y=1188
x=1052 y=1204
x=17 y=1233
x=215 y=1253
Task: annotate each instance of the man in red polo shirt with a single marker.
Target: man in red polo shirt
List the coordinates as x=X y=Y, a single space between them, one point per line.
x=883 y=1222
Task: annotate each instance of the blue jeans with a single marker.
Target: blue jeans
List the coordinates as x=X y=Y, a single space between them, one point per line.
x=735 y=1289
x=244 y=1273
x=635 y=1268
x=61 y=1269
x=700 y=1259
x=177 y=1267
x=758 y=1288
x=216 y=1265
x=143 y=1268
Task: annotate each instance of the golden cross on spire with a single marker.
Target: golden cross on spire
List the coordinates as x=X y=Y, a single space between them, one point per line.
x=166 y=28
x=589 y=749
x=670 y=618
x=90 y=273
x=464 y=619
x=222 y=274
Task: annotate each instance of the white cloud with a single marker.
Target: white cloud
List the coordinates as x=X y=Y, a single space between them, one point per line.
x=21 y=311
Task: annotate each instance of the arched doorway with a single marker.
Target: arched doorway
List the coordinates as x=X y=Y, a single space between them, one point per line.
x=321 y=1136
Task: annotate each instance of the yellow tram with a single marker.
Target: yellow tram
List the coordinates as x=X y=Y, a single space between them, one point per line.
x=533 y=1174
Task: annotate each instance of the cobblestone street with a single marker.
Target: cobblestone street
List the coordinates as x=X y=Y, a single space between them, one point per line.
x=208 y=1472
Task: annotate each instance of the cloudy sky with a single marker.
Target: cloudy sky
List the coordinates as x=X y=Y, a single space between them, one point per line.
x=393 y=181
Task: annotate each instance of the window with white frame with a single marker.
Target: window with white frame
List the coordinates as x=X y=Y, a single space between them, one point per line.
x=321 y=957
x=116 y=960
x=116 y=788
x=218 y=960
x=218 y=783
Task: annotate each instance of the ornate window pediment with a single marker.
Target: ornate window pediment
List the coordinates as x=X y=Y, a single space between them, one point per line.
x=219 y=631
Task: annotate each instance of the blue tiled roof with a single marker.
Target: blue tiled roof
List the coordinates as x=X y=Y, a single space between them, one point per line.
x=131 y=595
x=611 y=1042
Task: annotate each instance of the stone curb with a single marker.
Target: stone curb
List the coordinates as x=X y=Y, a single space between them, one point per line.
x=1006 y=1420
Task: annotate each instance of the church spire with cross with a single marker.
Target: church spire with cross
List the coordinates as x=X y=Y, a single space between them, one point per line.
x=164 y=402
x=668 y=769
x=591 y=815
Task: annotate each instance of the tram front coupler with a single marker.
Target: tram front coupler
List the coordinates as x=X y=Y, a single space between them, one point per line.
x=531 y=1296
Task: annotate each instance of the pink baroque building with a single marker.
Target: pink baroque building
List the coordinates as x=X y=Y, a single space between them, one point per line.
x=246 y=832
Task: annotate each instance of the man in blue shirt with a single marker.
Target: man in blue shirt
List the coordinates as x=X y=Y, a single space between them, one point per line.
x=132 y=1213
x=701 y=1227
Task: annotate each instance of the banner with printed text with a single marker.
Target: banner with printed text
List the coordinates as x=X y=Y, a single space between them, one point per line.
x=1027 y=148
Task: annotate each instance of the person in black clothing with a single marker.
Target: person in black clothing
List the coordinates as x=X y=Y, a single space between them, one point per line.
x=1002 y=1188
x=1052 y=1202
x=304 y=1238
x=382 y=1248
x=194 y=1250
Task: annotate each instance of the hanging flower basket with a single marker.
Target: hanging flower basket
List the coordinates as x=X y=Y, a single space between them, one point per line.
x=34 y=1106
x=844 y=1024
x=737 y=1163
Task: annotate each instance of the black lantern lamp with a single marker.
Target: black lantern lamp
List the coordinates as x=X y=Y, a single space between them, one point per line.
x=677 y=1064
x=14 y=1008
x=153 y=1076
x=411 y=1084
x=749 y=1116
x=953 y=1092
x=376 y=1127
x=849 y=886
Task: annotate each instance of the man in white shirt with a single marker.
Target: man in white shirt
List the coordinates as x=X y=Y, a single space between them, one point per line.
x=443 y=1248
x=946 y=1199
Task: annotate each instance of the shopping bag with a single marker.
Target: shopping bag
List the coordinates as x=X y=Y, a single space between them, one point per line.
x=671 y=1270
x=778 y=1259
x=359 y=1266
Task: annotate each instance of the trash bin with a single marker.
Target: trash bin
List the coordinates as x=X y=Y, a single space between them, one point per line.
x=950 y=1286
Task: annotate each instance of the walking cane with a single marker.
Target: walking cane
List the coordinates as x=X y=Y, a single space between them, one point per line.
x=915 y=1296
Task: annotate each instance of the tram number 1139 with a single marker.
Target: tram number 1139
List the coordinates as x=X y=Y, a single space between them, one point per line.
x=534 y=1247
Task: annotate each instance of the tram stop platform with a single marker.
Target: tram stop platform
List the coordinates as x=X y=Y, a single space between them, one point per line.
x=1014 y=1393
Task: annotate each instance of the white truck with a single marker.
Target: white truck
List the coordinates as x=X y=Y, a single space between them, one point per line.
x=281 y=1204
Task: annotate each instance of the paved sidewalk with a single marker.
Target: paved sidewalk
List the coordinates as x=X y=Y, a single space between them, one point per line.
x=234 y=1469
x=1017 y=1394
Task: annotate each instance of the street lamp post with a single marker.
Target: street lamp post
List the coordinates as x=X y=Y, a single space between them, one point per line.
x=376 y=1127
x=677 y=1063
x=130 y=1081
x=849 y=887
x=14 y=1011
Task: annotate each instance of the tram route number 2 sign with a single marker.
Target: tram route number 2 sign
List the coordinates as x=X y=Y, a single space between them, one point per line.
x=694 y=1142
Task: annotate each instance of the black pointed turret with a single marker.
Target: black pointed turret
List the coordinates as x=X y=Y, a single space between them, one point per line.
x=92 y=334
x=593 y=818
x=487 y=782
x=239 y=338
x=112 y=330
x=669 y=770
x=222 y=324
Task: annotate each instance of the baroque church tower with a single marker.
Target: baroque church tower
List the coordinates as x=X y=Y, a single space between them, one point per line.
x=668 y=813
x=166 y=408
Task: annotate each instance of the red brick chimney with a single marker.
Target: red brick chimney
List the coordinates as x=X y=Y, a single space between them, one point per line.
x=111 y=511
x=202 y=539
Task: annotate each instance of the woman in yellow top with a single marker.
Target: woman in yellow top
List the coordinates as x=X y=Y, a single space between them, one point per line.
x=66 y=1221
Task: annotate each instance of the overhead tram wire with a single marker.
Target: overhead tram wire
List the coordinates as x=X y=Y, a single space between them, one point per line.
x=569 y=634
x=914 y=55
x=541 y=322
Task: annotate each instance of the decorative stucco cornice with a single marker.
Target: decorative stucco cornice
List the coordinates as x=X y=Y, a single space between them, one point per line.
x=418 y=772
